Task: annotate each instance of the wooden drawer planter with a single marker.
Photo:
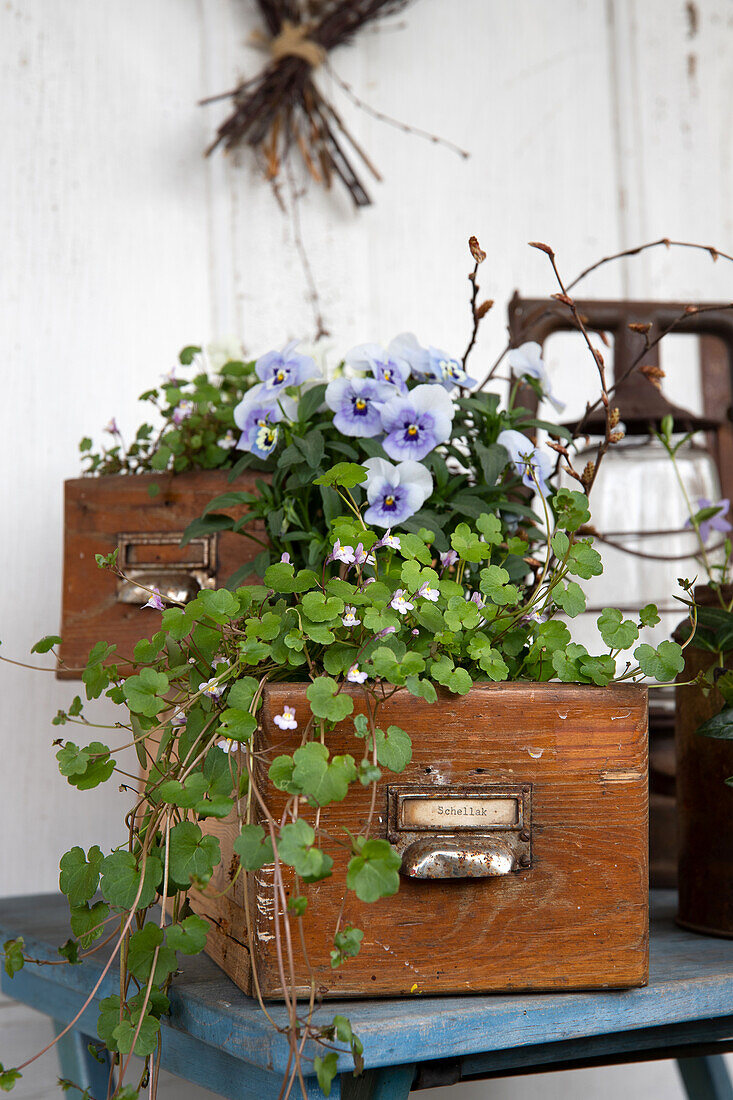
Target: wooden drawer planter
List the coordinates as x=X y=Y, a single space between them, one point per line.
x=560 y=771
x=102 y=513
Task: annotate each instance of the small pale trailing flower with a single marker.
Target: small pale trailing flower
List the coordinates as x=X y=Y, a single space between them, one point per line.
x=349 y=616
x=178 y=718
x=155 y=600
x=386 y=365
x=170 y=378
x=112 y=427
x=362 y=556
x=228 y=744
x=427 y=591
x=220 y=661
x=286 y=720
x=415 y=632
x=448 y=558
x=718 y=522
x=416 y=423
x=389 y=540
x=341 y=553
x=227 y=441
x=355 y=675
x=182 y=411
x=400 y=602
x=527 y=460
x=536 y=617
x=212 y=689
x=285 y=558
x=526 y=362
x=279 y=369
x=395 y=493
x=448 y=371
x=356 y=403
x=387 y=630
x=478 y=599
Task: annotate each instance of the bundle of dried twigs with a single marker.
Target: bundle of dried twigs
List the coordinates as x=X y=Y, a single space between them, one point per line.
x=282 y=108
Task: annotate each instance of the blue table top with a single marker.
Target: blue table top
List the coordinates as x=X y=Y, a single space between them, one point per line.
x=691 y=979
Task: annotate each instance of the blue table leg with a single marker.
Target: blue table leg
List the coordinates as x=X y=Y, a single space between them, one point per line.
x=77 y=1064
x=706 y=1078
x=388 y=1083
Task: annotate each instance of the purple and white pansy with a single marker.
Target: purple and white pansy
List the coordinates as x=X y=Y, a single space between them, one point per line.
x=448 y=371
x=257 y=421
x=526 y=362
x=395 y=493
x=417 y=422
x=279 y=369
x=532 y=465
x=386 y=365
x=356 y=403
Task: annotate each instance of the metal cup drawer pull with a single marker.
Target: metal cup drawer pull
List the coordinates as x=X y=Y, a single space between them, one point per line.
x=156 y=560
x=461 y=832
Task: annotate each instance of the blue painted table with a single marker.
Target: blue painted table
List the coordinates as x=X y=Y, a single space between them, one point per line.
x=219 y=1038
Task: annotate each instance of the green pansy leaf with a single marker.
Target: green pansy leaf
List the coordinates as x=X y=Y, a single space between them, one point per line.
x=345 y=474
x=720 y=726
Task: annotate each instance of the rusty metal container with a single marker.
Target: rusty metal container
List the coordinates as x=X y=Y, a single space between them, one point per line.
x=704 y=802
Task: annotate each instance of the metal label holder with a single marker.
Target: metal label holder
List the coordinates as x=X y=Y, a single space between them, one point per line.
x=461 y=832
x=179 y=577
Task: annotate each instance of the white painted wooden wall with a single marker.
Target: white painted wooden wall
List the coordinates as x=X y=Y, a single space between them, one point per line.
x=592 y=125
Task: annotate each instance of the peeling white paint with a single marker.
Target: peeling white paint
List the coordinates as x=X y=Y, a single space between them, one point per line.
x=535 y=753
x=616 y=717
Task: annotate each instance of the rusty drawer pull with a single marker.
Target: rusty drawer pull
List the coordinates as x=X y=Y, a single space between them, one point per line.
x=439 y=857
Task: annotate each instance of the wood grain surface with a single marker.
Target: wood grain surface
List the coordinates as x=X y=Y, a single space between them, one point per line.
x=96 y=511
x=576 y=919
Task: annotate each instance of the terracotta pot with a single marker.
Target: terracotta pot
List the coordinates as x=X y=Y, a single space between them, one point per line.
x=704 y=802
